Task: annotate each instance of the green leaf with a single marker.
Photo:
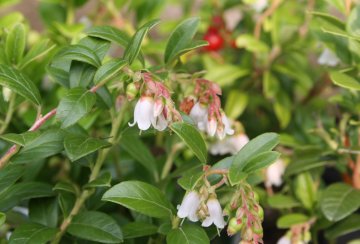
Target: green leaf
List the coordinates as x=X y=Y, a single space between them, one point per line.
x=2 y=218
x=9 y=175
x=44 y=211
x=251 y=44
x=260 y=144
x=75 y=105
x=305 y=190
x=141 y=197
x=188 y=234
x=306 y=164
x=23 y=191
x=39 y=50
x=102 y=181
x=133 y=48
x=180 y=40
x=19 y=83
x=65 y=186
x=80 y=53
x=108 y=70
x=353 y=21
x=21 y=139
x=15 y=43
x=189 y=180
x=109 y=33
x=339 y=201
x=343 y=227
x=48 y=143
x=344 y=80
x=139 y=151
x=288 y=220
x=280 y=201
x=78 y=146
x=95 y=226
x=225 y=75
x=81 y=74
x=192 y=139
x=138 y=229
x=236 y=103
x=260 y=161
x=32 y=234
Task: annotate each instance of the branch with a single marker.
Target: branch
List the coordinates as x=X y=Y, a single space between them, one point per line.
x=275 y=4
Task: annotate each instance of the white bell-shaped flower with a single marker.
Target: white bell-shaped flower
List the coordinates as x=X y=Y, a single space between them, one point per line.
x=274 y=173
x=199 y=114
x=328 y=58
x=159 y=122
x=189 y=206
x=259 y=5
x=215 y=214
x=226 y=130
x=143 y=113
x=230 y=145
x=284 y=240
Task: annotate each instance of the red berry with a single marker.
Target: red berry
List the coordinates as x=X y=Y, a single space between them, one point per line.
x=215 y=41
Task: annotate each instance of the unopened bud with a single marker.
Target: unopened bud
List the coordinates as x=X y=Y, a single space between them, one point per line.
x=137 y=76
x=234 y=226
x=131 y=91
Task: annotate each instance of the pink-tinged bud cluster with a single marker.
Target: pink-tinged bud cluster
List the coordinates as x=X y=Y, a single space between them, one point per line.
x=155 y=106
x=246 y=214
x=206 y=109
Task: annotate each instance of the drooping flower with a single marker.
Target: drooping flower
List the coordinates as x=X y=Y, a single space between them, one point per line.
x=274 y=173
x=189 y=206
x=215 y=214
x=225 y=129
x=230 y=145
x=328 y=58
x=144 y=113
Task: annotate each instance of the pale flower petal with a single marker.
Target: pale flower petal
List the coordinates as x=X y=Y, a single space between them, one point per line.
x=274 y=173
x=199 y=114
x=143 y=113
x=284 y=240
x=328 y=58
x=215 y=214
x=211 y=127
x=159 y=123
x=259 y=5
x=189 y=206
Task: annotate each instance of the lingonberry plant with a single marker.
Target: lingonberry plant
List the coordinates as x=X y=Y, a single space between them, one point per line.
x=118 y=127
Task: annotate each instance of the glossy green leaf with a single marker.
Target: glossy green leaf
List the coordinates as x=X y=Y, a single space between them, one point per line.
x=75 y=105
x=133 y=48
x=339 y=201
x=32 y=234
x=81 y=74
x=189 y=180
x=353 y=22
x=236 y=103
x=78 y=146
x=305 y=190
x=192 y=138
x=95 y=226
x=280 y=201
x=109 y=33
x=48 y=143
x=140 y=197
x=344 y=80
x=39 y=50
x=188 y=234
x=226 y=74
x=23 y=191
x=103 y=180
x=80 y=53
x=108 y=70
x=260 y=144
x=180 y=39
x=44 y=211
x=343 y=227
x=138 y=229
x=288 y=220
x=65 y=186
x=9 y=175
x=251 y=44
x=21 y=139
x=2 y=218
x=19 y=83
x=15 y=43
x=261 y=161
x=139 y=151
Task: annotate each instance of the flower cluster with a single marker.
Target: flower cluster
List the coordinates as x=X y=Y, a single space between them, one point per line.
x=155 y=106
x=205 y=109
x=202 y=206
x=245 y=215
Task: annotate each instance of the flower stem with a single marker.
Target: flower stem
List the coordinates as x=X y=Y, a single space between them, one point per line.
x=9 y=113
x=94 y=174
x=170 y=160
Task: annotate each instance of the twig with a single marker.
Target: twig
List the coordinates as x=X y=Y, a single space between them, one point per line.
x=275 y=4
